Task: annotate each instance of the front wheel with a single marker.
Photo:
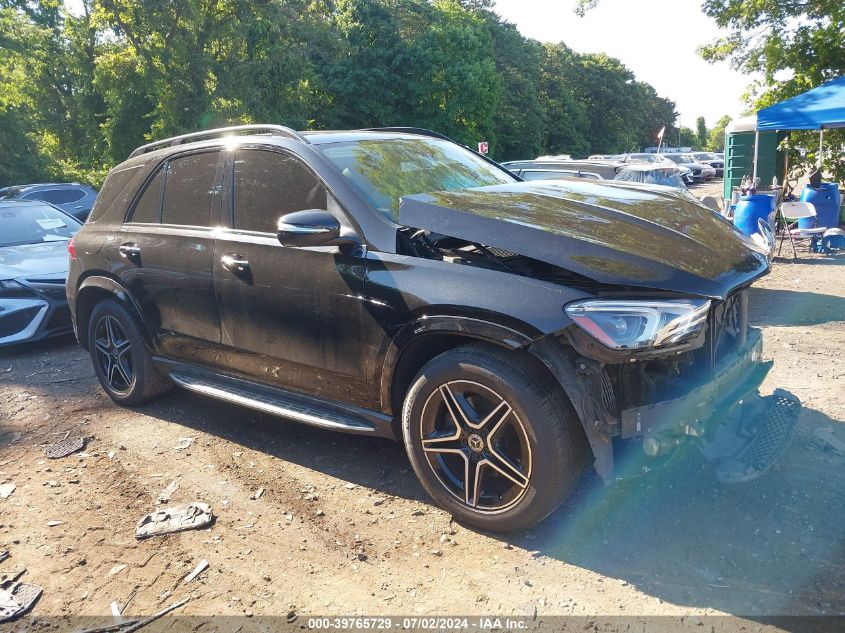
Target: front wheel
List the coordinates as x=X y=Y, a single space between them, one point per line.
x=491 y=437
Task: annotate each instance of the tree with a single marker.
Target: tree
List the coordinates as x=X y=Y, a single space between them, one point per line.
x=716 y=136
x=794 y=46
x=701 y=132
x=688 y=137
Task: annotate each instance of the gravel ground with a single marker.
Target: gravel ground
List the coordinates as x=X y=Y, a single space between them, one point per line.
x=343 y=527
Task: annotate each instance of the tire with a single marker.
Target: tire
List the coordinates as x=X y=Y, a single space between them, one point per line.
x=529 y=447
x=122 y=362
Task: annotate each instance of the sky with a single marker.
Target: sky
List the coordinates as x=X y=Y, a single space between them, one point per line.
x=656 y=39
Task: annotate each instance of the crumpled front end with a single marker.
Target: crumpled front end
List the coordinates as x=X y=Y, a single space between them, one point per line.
x=640 y=408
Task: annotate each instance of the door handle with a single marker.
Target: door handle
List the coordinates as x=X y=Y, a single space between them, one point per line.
x=130 y=250
x=235 y=263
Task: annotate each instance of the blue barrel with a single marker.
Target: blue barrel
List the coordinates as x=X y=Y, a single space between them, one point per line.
x=826 y=201
x=749 y=210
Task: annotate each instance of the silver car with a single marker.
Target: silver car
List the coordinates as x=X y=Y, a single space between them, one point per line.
x=34 y=240
x=71 y=197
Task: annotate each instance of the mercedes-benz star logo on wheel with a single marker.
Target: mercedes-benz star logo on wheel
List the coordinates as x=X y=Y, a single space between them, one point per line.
x=475 y=443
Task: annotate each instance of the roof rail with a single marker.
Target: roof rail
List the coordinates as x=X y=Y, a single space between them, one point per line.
x=409 y=130
x=274 y=130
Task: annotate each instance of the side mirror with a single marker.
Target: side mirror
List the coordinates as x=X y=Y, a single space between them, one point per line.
x=314 y=227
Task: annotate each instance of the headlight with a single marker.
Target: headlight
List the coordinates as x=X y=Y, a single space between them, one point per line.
x=10 y=288
x=638 y=324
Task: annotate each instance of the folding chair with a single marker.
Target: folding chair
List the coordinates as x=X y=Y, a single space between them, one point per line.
x=790 y=213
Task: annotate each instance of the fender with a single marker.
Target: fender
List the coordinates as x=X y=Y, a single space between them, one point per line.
x=551 y=352
x=469 y=327
x=113 y=287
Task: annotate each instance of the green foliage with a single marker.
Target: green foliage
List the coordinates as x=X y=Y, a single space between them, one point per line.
x=79 y=91
x=794 y=46
x=701 y=132
x=688 y=138
x=716 y=136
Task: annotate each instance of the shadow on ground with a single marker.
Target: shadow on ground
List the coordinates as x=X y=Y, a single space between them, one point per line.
x=794 y=307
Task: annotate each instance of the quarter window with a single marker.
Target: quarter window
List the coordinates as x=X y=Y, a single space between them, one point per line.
x=189 y=190
x=267 y=185
x=148 y=209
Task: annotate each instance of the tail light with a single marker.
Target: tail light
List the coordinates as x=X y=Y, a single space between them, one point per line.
x=71 y=249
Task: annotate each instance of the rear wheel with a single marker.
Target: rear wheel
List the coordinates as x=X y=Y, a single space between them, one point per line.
x=491 y=437
x=122 y=362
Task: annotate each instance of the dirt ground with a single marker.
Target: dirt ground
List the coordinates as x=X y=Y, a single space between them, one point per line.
x=343 y=527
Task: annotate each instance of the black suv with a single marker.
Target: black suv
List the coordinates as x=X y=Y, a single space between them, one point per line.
x=393 y=283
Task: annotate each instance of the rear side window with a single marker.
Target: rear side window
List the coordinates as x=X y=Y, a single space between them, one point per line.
x=267 y=185
x=189 y=190
x=148 y=209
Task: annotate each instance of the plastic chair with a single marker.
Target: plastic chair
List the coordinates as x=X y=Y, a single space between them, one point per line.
x=790 y=213
x=717 y=203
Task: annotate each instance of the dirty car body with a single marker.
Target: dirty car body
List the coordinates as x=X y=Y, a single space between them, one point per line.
x=628 y=302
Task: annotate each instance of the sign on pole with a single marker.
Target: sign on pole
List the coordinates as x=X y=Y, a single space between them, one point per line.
x=483 y=148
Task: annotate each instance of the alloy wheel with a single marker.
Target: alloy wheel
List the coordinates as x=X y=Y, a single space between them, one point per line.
x=113 y=354
x=476 y=445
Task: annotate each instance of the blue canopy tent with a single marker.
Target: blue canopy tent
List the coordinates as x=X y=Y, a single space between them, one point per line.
x=822 y=107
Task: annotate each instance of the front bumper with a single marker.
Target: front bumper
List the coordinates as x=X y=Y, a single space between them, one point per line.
x=31 y=318
x=735 y=376
x=734 y=427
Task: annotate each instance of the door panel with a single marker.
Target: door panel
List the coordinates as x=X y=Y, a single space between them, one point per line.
x=290 y=317
x=168 y=267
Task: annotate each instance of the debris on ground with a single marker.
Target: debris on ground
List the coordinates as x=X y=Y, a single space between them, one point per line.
x=115 y=610
x=155 y=616
x=177 y=519
x=258 y=493
x=7 y=489
x=183 y=443
x=197 y=570
x=54 y=523
x=4 y=554
x=11 y=437
x=116 y=569
x=65 y=447
x=164 y=495
x=133 y=625
x=16 y=598
x=824 y=435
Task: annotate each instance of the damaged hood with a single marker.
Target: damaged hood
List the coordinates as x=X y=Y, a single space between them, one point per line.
x=613 y=233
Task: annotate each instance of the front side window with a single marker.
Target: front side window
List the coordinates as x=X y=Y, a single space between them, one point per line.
x=189 y=190
x=267 y=185
x=384 y=170
x=34 y=224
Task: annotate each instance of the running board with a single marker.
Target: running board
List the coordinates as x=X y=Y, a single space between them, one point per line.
x=280 y=403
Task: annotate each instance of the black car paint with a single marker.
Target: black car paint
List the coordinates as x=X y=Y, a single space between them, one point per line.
x=618 y=234
x=336 y=322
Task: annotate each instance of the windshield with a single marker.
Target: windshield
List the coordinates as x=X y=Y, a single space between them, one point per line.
x=677 y=158
x=384 y=170
x=34 y=224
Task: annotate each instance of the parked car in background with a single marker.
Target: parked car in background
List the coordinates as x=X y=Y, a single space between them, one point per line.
x=71 y=197
x=709 y=158
x=647 y=171
x=546 y=169
x=33 y=267
x=659 y=159
x=700 y=173
x=652 y=174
